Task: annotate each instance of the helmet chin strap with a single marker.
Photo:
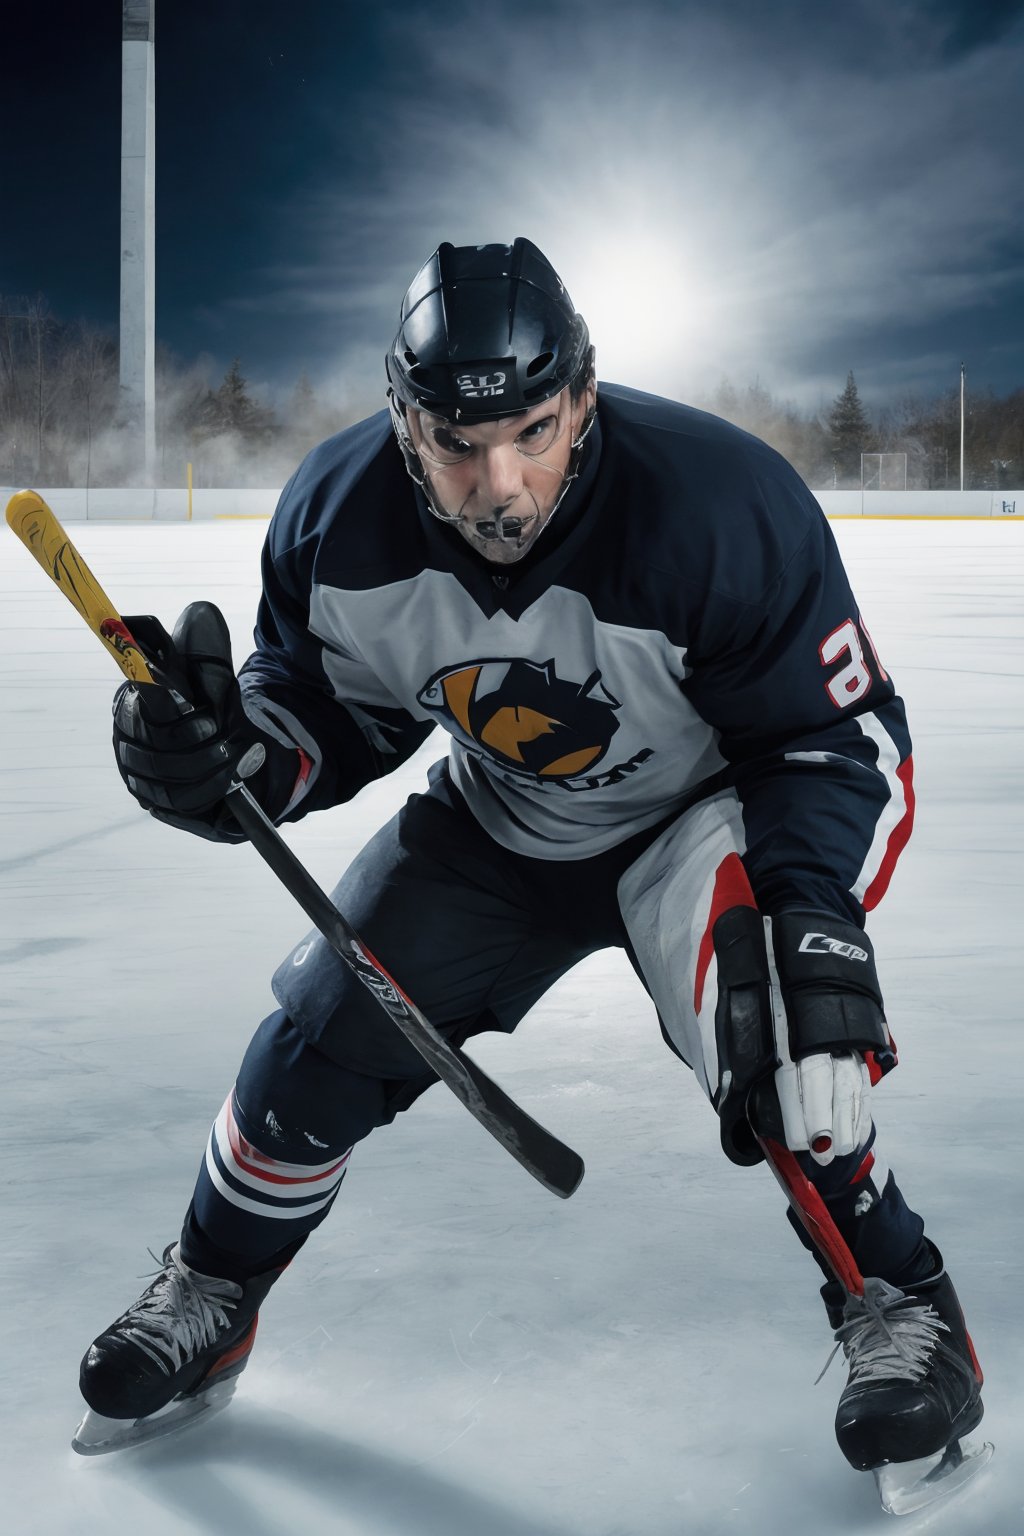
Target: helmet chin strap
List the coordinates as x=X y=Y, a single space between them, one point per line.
x=414 y=465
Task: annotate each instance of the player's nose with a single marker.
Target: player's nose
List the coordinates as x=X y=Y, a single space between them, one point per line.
x=501 y=475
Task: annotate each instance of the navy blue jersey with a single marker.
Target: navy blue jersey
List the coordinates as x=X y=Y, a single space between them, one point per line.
x=685 y=622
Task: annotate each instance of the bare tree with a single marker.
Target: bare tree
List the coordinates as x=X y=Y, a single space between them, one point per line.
x=58 y=396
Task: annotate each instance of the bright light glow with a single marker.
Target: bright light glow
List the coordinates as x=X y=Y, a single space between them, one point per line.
x=651 y=309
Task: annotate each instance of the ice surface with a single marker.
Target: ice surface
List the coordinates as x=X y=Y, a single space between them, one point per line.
x=456 y=1351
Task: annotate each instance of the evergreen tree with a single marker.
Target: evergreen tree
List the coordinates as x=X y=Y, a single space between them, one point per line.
x=303 y=405
x=230 y=412
x=849 y=433
x=236 y=408
x=724 y=401
x=308 y=424
x=59 y=391
x=202 y=416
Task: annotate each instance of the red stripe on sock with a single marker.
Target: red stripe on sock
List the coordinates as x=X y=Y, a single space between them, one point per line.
x=243 y=1153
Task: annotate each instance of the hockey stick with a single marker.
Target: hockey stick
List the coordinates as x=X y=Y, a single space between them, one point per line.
x=765 y=1119
x=551 y=1162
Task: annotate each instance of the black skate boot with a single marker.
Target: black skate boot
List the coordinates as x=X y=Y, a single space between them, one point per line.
x=176 y=1353
x=914 y=1387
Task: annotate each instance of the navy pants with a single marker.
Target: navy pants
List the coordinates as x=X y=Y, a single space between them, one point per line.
x=476 y=934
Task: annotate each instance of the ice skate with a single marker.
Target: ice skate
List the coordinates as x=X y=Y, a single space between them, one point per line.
x=175 y=1355
x=914 y=1389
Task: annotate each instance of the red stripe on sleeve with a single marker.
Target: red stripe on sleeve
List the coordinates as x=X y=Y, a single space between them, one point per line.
x=898 y=838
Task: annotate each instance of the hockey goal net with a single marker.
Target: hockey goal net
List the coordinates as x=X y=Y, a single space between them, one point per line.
x=883 y=471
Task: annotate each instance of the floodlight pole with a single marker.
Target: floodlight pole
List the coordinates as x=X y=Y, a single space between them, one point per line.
x=961 y=426
x=138 y=197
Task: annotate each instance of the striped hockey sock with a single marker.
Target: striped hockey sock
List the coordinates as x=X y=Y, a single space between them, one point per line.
x=250 y=1202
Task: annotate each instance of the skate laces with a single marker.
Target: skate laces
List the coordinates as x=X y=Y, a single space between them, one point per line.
x=884 y=1335
x=180 y=1314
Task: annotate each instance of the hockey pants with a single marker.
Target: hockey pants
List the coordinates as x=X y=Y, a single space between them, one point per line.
x=476 y=935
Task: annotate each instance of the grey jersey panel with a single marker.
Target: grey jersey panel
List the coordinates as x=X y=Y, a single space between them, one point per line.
x=569 y=733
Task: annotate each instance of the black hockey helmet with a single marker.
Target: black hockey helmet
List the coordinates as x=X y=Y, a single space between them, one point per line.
x=486 y=331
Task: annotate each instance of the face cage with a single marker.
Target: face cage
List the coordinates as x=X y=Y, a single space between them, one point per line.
x=414 y=464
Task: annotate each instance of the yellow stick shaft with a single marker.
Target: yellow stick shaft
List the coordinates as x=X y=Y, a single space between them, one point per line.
x=43 y=536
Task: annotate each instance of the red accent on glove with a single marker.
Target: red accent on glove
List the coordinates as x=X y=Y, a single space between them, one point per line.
x=305 y=769
x=879 y=1063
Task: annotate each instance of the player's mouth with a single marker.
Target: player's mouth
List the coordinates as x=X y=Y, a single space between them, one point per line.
x=509 y=530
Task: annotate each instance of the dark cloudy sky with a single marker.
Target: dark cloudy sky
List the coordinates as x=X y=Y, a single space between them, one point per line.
x=784 y=190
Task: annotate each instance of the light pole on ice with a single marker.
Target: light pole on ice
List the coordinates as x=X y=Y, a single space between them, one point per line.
x=138 y=201
x=961 y=424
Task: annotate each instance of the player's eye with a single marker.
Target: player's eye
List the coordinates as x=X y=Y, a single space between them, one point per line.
x=538 y=435
x=447 y=444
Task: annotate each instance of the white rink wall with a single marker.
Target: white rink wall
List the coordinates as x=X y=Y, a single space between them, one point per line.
x=922 y=503
x=148 y=504
x=170 y=504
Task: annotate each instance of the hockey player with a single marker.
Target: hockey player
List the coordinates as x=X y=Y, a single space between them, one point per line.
x=670 y=732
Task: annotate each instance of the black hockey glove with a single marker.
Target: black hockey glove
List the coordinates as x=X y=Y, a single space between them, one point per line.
x=809 y=1021
x=178 y=751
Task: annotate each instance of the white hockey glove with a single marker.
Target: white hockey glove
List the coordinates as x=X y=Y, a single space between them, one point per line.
x=826 y=1104
x=826 y=1014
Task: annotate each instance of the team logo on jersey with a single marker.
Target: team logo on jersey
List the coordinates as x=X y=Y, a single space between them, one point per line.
x=475 y=385
x=525 y=717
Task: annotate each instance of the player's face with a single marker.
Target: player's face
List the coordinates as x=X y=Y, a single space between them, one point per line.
x=498 y=482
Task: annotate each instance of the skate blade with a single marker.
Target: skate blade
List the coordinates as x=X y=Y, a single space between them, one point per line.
x=98 y=1435
x=906 y=1486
